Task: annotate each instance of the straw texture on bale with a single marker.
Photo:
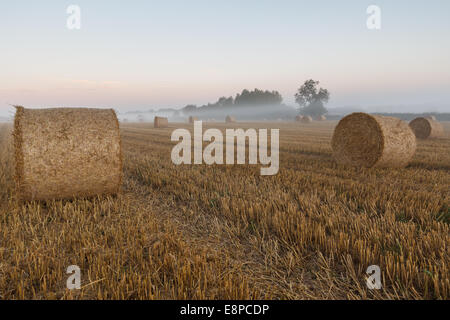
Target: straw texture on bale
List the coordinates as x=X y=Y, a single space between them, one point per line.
x=306 y=119
x=66 y=153
x=161 y=122
x=192 y=119
x=425 y=128
x=369 y=141
x=230 y=119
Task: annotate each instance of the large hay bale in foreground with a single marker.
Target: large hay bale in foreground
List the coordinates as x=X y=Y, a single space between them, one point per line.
x=230 y=119
x=425 y=128
x=161 y=122
x=66 y=153
x=369 y=141
x=306 y=119
x=192 y=119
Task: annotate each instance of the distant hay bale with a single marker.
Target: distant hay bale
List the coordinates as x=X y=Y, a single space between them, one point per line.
x=369 y=141
x=298 y=118
x=425 y=128
x=230 y=119
x=192 y=119
x=306 y=119
x=321 y=118
x=161 y=122
x=66 y=153
x=431 y=117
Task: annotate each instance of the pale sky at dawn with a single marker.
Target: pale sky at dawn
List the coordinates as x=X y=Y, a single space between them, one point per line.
x=153 y=54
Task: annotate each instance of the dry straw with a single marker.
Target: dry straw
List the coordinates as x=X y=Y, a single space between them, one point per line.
x=192 y=119
x=425 y=128
x=365 y=140
x=161 y=122
x=66 y=153
x=230 y=119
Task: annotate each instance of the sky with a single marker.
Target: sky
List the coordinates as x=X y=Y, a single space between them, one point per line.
x=135 y=54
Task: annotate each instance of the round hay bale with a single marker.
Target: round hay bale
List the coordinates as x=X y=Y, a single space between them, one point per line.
x=230 y=119
x=321 y=118
x=306 y=119
x=161 y=122
x=66 y=153
x=369 y=141
x=425 y=128
x=298 y=118
x=431 y=117
x=192 y=119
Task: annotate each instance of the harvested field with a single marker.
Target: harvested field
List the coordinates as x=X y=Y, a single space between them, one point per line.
x=210 y=232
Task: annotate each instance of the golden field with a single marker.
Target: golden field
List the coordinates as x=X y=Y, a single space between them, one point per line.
x=226 y=232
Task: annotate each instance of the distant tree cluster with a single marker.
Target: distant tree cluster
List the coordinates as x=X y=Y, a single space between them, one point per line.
x=225 y=102
x=258 y=97
x=189 y=108
x=245 y=98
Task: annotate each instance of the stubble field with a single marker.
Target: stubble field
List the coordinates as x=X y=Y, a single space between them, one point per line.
x=226 y=232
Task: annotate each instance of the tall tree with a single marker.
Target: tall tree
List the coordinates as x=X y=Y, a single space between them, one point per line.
x=311 y=99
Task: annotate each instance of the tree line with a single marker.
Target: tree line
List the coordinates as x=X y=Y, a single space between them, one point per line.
x=309 y=97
